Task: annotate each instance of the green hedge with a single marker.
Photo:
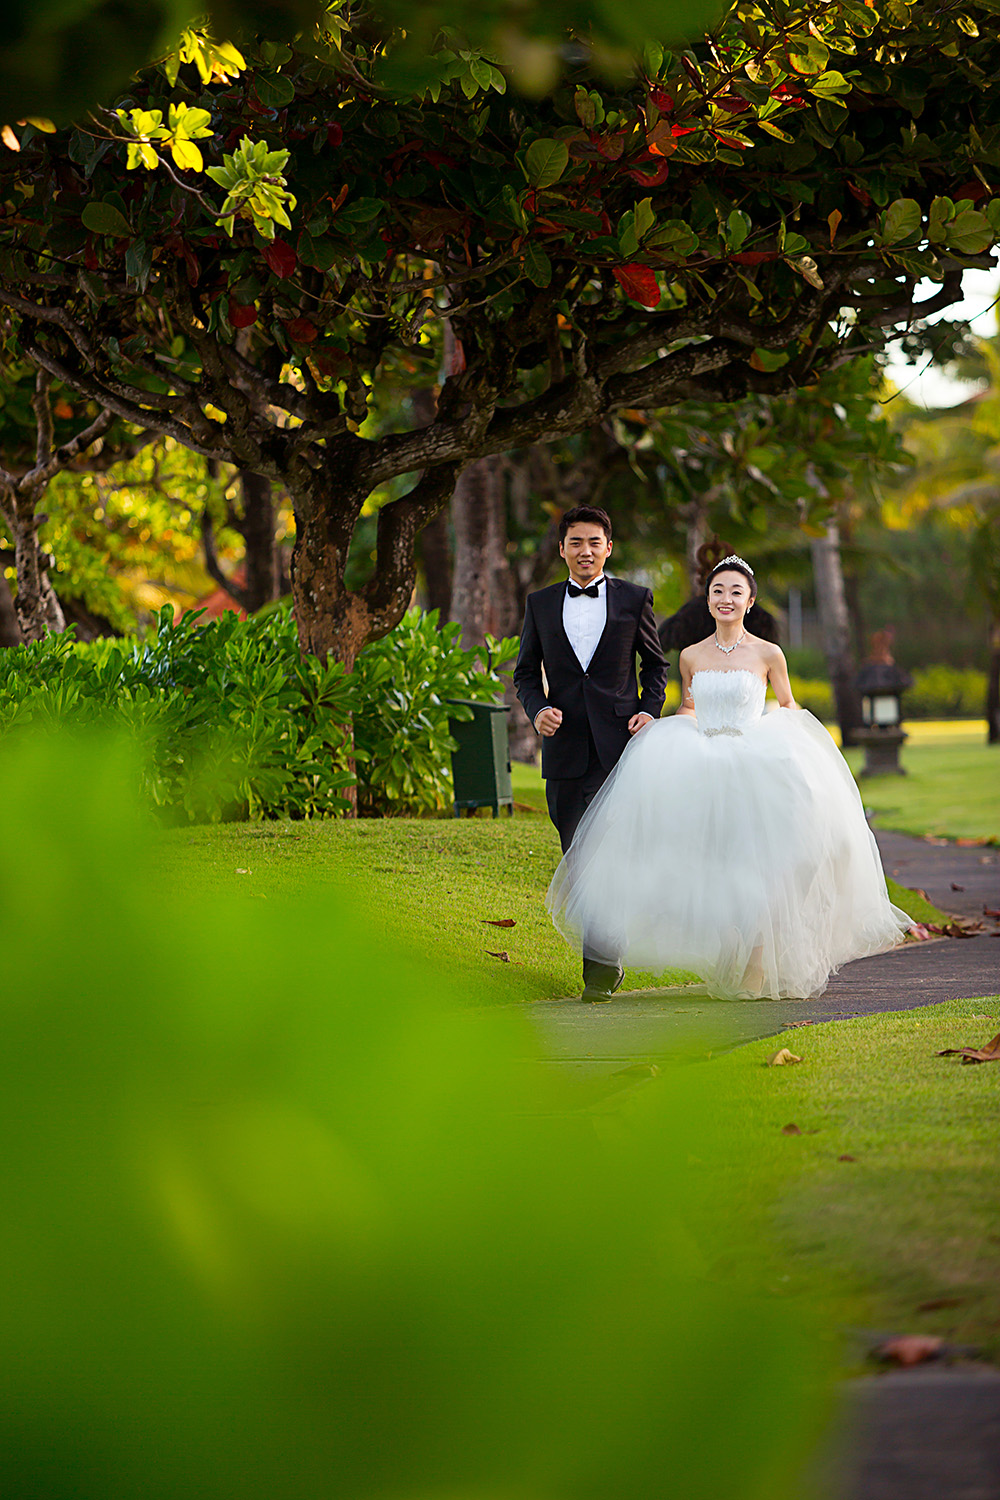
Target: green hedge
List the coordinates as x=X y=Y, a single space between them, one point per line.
x=234 y=723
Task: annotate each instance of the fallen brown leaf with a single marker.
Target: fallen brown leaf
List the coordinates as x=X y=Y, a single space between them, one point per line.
x=935 y=1302
x=504 y=957
x=910 y=1349
x=957 y=929
x=502 y=922
x=925 y=896
x=989 y=911
x=792 y=1129
x=782 y=1056
x=989 y=1053
x=957 y=887
x=846 y=1157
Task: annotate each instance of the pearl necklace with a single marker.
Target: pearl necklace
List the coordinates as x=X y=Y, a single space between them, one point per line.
x=728 y=649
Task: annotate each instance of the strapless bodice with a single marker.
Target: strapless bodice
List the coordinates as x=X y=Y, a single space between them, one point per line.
x=727 y=700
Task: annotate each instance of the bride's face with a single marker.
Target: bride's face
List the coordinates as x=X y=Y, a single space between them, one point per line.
x=729 y=597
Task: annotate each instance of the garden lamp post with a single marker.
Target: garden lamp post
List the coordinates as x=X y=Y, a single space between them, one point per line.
x=881 y=683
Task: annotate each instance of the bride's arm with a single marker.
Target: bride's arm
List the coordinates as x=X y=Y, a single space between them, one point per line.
x=684 y=670
x=777 y=674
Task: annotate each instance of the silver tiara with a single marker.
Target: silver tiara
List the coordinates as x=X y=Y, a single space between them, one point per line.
x=733 y=558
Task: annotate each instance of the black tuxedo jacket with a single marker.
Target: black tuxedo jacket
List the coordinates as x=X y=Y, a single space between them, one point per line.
x=605 y=696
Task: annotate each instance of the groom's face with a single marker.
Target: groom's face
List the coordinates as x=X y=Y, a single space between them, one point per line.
x=585 y=549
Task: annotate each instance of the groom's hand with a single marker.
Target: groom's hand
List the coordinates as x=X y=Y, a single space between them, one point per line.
x=639 y=721
x=548 y=721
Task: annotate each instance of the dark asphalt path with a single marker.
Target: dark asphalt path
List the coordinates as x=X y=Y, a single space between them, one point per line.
x=938 y=868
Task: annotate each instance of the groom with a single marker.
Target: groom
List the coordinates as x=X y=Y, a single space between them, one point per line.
x=585 y=632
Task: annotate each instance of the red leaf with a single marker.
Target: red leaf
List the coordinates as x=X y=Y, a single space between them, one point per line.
x=242 y=316
x=611 y=146
x=732 y=103
x=662 y=100
x=653 y=178
x=638 y=282
x=501 y=922
x=334 y=134
x=300 y=330
x=281 y=258
x=753 y=257
x=911 y=1349
x=860 y=194
x=682 y=129
x=970 y=191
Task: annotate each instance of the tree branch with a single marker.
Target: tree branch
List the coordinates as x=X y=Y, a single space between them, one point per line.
x=43 y=417
x=387 y=593
x=212 y=567
x=64 y=455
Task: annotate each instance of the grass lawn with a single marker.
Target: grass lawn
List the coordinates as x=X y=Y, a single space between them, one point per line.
x=913 y=1218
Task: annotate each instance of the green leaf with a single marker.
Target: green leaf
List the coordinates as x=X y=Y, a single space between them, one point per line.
x=645 y=218
x=901 y=221
x=830 y=83
x=674 y=238
x=274 y=91
x=738 y=226
x=806 y=55
x=545 y=162
x=138 y=265
x=104 y=218
x=942 y=209
x=537 y=266
x=969 y=233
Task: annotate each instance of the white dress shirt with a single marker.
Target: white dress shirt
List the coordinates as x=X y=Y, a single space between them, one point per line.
x=584 y=619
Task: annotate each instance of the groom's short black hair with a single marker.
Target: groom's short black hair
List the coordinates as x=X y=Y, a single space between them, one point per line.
x=592 y=513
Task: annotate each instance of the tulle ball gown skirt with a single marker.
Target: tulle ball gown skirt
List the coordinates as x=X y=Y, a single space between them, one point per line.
x=743 y=856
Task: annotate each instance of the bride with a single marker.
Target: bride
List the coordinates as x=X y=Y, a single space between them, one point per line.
x=728 y=841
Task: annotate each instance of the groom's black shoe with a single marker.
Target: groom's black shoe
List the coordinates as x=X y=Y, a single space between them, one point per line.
x=600 y=980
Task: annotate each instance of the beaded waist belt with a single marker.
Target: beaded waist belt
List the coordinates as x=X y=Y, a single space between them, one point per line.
x=725 y=730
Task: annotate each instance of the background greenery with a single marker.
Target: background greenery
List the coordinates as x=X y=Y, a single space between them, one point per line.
x=232 y=722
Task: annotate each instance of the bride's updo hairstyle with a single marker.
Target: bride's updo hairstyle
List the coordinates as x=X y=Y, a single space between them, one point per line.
x=733 y=564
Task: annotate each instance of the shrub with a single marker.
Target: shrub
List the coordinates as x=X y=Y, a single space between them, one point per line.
x=234 y=723
x=946 y=693
x=402 y=685
x=815 y=695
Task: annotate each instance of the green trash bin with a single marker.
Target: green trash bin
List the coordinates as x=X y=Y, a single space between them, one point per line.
x=480 y=766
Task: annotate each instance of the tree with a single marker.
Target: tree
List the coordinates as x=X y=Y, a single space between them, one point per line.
x=732 y=217
x=42 y=435
x=957 y=472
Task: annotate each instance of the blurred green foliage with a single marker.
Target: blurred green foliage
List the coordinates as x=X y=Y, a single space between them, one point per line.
x=281 y=1219
x=232 y=722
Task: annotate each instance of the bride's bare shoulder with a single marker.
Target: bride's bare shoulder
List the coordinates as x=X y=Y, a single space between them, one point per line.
x=696 y=652
x=769 y=651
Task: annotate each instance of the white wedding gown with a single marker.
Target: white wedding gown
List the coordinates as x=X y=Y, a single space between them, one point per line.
x=733 y=845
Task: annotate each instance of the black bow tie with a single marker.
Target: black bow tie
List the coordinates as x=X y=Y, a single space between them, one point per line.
x=593 y=592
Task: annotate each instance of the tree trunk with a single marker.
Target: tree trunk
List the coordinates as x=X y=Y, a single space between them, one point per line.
x=434 y=547
x=482 y=598
x=263 y=576
x=36 y=606
x=993 y=686
x=835 y=629
x=10 y=633
x=331 y=621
